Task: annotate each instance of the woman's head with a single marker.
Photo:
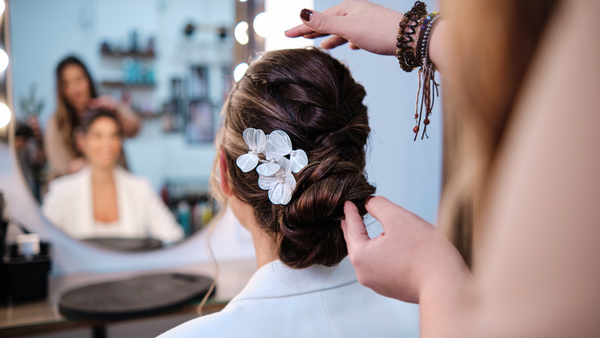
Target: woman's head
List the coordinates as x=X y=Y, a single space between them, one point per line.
x=100 y=138
x=74 y=83
x=75 y=89
x=314 y=99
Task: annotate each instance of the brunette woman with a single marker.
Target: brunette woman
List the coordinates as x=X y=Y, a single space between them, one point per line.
x=303 y=104
x=76 y=93
x=102 y=199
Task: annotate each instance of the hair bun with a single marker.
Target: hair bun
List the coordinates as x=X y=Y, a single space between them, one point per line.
x=314 y=99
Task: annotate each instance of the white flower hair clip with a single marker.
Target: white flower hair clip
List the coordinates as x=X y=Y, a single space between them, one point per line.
x=275 y=170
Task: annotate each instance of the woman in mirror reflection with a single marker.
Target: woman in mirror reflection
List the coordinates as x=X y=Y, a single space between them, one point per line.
x=76 y=94
x=305 y=285
x=102 y=199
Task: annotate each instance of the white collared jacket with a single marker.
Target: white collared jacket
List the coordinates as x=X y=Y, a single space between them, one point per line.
x=69 y=205
x=316 y=302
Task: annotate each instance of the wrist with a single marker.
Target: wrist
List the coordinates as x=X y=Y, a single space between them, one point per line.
x=443 y=270
x=438 y=36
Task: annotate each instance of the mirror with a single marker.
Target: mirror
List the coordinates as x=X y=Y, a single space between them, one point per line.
x=117 y=103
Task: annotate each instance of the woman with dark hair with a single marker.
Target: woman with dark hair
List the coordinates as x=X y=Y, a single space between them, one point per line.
x=291 y=152
x=102 y=199
x=76 y=93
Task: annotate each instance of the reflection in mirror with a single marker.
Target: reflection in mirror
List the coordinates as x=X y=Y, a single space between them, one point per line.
x=117 y=104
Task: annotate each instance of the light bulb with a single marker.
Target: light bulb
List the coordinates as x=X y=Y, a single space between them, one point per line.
x=241 y=32
x=3 y=60
x=4 y=115
x=239 y=71
x=2 y=6
x=264 y=24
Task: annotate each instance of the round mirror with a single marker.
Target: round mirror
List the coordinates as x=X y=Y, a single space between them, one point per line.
x=117 y=104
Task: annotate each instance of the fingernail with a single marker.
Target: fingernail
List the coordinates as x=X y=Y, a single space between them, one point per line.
x=306 y=14
x=368 y=199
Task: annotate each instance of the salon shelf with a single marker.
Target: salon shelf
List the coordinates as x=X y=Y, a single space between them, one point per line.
x=143 y=55
x=122 y=85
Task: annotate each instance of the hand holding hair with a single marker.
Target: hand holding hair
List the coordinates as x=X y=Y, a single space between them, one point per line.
x=411 y=261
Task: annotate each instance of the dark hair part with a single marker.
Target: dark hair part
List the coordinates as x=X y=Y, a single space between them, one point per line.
x=92 y=115
x=66 y=116
x=314 y=99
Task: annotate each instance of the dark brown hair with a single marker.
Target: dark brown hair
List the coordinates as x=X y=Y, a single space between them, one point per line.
x=91 y=116
x=66 y=116
x=314 y=99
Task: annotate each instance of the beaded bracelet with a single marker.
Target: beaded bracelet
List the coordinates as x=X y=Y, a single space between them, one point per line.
x=426 y=75
x=404 y=52
x=411 y=57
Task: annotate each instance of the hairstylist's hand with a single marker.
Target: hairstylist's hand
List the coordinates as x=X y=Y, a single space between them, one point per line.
x=364 y=24
x=104 y=102
x=410 y=258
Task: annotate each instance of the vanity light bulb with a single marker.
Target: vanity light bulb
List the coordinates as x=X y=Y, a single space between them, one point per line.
x=264 y=24
x=239 y=71
x=3 y=60
x=4 y=115
x=2 y=6
x=241 y=32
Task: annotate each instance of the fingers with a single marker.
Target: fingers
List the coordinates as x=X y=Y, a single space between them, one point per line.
x=324 y=23
x=383 y=210
x=353 y=46
x=299 y=30
x=355 y=232
x=333 y=42
x=314 y=35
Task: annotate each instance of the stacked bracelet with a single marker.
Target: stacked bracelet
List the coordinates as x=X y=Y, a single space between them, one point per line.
x=426 y=75
x=427 y=25
x=404 y=51
x=413 y=54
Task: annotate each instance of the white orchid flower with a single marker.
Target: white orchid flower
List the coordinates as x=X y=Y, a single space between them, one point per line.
x=281 y=185
x=256 y=141
x=299 y=160
x=278 y=145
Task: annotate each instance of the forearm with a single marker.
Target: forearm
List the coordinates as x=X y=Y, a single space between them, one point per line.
x=446 y=295
x=129 y=120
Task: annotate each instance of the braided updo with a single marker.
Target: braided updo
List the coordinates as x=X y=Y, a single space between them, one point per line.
x=314 y=99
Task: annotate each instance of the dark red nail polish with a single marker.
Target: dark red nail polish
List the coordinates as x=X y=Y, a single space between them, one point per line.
x=306 y=14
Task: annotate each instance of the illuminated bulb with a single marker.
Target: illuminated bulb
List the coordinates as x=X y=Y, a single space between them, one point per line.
x=242 y=0
x=264 y=24
x=239 y=71
x=2 y=6
x=3 y=60
x=241 y=32
x=4 y=115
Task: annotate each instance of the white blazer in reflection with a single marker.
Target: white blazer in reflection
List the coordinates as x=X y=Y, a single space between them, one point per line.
x=142 y=214
x=315 y=302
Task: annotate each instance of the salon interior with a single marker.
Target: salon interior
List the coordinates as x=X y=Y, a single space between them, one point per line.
x=166 y=67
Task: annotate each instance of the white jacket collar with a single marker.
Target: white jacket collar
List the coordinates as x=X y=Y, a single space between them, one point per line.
x=275 y=280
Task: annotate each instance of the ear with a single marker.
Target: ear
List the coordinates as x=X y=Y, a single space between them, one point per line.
x=225 y=188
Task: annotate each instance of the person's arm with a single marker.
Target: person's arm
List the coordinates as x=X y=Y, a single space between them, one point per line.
x=58 y=156
x=129 y=120
x=412 y=261
x=367 y=26
x=538 y=266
